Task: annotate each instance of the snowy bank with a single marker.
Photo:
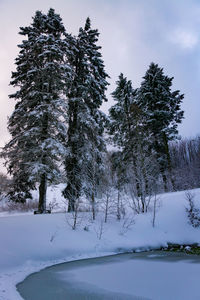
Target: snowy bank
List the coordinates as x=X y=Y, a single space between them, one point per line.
x=30 y=242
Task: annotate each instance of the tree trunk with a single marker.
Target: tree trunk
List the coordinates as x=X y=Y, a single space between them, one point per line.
x=143 y=204
x=71 y=205
x=168 y=159
x=43 y=179
x=42 y=194
x=118 y=206
x=106 y=209
x=93 y=207
x=72 y=191
x=164 y=177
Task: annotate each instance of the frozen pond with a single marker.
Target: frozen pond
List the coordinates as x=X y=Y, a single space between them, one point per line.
x=153 y=275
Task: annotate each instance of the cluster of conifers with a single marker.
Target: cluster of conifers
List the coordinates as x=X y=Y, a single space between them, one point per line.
x=57 y=119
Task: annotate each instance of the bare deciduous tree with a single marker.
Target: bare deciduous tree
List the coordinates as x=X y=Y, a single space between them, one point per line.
x=73 y=218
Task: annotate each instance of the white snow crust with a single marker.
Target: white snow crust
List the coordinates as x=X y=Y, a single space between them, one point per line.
x=30 y=242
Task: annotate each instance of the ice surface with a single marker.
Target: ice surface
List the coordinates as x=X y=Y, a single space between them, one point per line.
x=162 y=275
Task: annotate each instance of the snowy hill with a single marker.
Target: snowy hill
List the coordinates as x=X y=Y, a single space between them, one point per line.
x=30 y=242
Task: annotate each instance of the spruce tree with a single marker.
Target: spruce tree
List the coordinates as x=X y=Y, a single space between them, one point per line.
x=37 y=125
x=128 y=132
x=85 y=144
x=162 y=109
x=120 y=114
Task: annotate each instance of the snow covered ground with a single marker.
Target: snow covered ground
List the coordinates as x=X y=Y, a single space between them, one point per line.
x=30 y=242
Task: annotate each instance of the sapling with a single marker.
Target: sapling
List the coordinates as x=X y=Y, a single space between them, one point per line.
x=99 y=229
x=73 y=218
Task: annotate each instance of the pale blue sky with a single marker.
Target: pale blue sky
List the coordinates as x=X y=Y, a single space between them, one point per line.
x=133 y=34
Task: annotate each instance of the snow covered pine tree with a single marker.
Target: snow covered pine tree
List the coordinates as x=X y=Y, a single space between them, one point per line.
x=37 y=125
x=162 y=109
x=85 y=143
x=133 y=139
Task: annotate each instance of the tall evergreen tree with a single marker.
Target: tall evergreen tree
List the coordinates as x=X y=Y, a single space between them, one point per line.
x=162 y=109
x=37 y=125
x=85 y=143
x=130 y=135
x=120 y=126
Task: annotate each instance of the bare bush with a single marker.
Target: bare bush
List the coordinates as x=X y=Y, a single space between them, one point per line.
x=11 y=206
x=73 y=218
x=192 y=211
x=99 y=229
x=107 y=205
x=53 y=204
x=127 y=224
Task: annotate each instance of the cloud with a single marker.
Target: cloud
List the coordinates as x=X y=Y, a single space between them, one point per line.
x=184 y=38
x=132 y=34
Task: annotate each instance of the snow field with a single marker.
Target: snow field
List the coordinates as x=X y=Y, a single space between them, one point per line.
x=30 y=242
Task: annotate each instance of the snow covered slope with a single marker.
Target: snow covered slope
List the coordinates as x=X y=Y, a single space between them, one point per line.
x=31 y=242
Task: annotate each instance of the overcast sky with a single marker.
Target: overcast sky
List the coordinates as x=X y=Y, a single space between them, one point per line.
x=133 y=33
